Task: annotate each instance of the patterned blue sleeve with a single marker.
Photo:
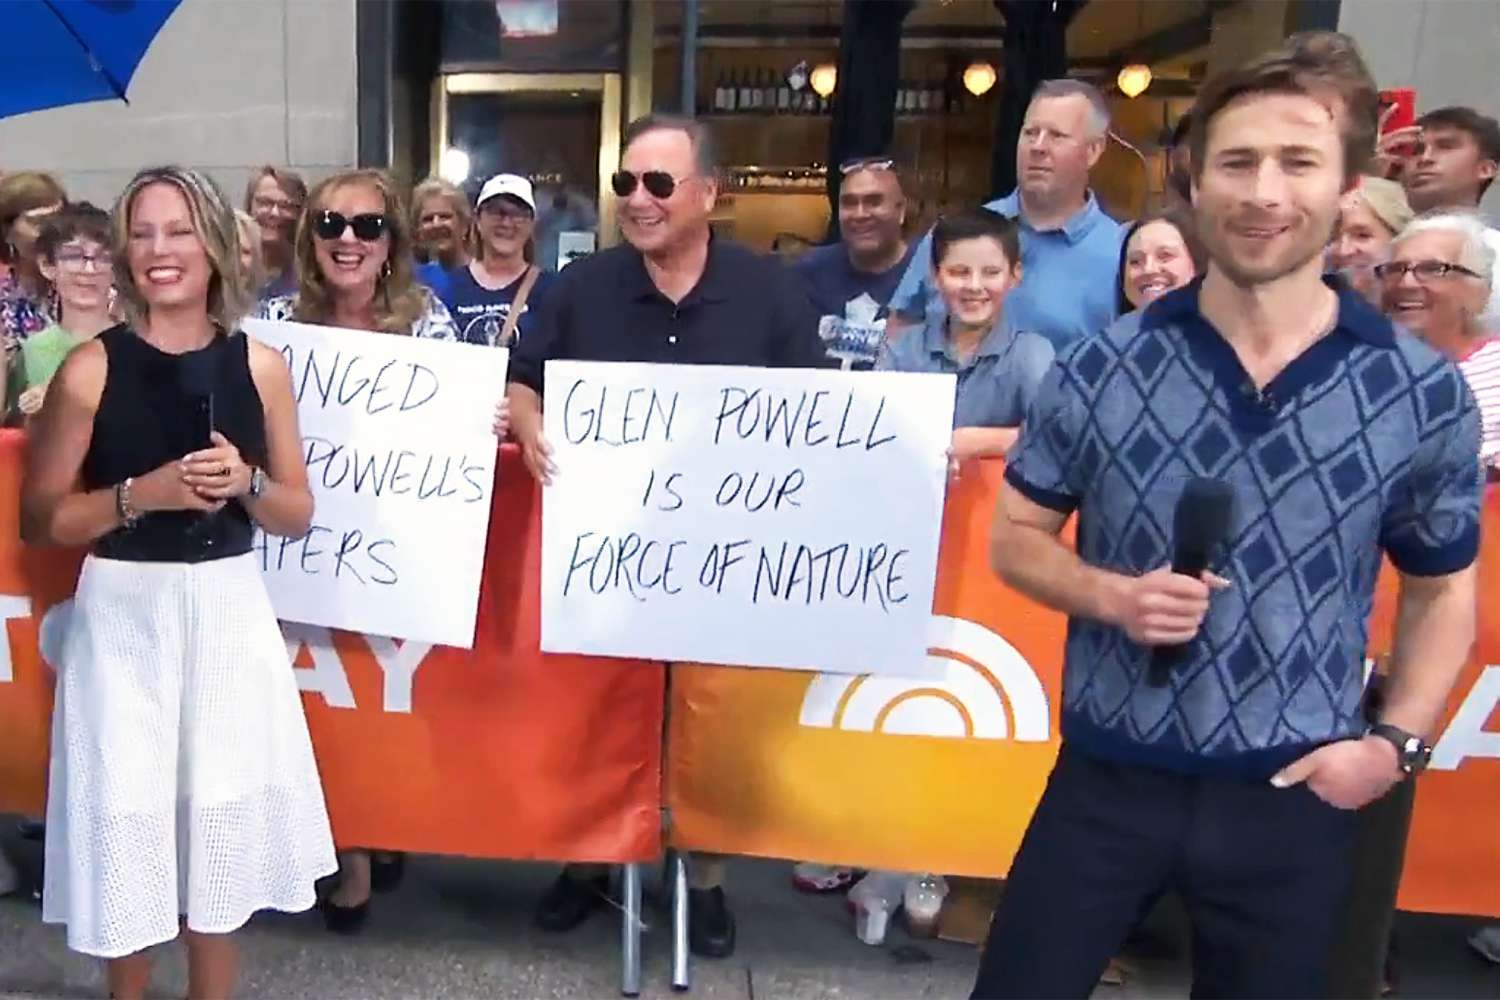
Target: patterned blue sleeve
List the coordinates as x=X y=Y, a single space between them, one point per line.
x=911 y=295
x=1042 y=465
x=1431 y=526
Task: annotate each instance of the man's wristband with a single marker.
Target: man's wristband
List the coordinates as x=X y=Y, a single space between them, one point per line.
x=1412 y=754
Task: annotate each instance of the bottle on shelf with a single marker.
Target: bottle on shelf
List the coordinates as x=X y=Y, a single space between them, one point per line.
x=925 y=103
x=731 y=93
x=783 y=95
x=718 y=103
x=746 y=101
x=768 y=90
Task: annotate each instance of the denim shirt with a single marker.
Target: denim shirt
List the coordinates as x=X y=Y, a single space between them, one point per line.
x=997 y=383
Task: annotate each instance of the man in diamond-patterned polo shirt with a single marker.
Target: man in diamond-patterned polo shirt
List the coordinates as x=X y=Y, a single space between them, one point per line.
x=1234 y=784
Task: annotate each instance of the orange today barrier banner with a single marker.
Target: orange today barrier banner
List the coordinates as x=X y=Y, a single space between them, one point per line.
x=943 y=775
x=496 y=752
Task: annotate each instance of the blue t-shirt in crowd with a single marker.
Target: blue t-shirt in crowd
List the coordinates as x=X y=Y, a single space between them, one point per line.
x=1068 y=284
x=479 y=313
x=1366 y=443
x=851 y=303
x=998 y=382
x=433 y=276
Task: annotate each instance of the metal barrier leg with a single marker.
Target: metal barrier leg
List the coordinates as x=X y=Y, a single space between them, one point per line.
x=630 y=931
x=681 y=976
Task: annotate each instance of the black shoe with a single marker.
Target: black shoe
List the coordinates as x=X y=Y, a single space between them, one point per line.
x=348 y=920
x=387 y=872
x=710 y=924
x=570 y=901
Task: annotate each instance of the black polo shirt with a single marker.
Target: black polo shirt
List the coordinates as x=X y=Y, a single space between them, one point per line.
x=745 y=310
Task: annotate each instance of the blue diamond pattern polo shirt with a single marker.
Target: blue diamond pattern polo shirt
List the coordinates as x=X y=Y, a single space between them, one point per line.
x=1365 y=444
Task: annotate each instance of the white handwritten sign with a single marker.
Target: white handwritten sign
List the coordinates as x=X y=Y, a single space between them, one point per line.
x=401 y=458
x=743 y=515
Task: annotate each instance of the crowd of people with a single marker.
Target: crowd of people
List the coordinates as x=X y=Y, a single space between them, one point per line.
x=1293 y=243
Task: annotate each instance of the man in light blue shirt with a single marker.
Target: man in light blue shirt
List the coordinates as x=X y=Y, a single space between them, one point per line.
x=1070 y=250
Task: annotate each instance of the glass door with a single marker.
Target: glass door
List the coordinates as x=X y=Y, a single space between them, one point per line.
x=560 y=130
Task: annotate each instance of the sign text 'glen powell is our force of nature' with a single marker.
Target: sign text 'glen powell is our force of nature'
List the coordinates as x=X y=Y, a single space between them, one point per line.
x=742 y=515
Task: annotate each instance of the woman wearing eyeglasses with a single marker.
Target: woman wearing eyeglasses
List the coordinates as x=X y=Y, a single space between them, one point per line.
x=493 y=296
x=74 y=256
x=1437 y=286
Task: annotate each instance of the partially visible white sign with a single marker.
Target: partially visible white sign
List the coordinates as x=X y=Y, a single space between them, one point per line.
x=400 y=454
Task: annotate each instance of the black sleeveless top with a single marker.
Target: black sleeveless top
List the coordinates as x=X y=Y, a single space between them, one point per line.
x=156 y=408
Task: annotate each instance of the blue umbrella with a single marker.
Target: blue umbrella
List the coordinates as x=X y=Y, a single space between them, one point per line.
x=73 y=51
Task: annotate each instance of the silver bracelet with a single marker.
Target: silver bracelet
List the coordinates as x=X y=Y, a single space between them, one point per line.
x=123 y=507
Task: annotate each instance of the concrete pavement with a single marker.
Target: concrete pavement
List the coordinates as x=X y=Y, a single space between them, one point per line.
x=461 y=928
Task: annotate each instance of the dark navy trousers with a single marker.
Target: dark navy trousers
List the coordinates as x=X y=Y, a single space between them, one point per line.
x=1264 y=873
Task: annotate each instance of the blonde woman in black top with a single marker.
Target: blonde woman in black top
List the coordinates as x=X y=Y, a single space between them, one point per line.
x=183 y=787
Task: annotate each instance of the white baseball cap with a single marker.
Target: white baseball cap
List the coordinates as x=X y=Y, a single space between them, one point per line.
x=514 y=185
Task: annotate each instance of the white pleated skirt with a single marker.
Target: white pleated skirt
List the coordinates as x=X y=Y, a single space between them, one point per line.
x=183 y=783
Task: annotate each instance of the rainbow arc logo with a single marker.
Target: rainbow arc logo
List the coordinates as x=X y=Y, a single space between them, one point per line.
x=979 y=687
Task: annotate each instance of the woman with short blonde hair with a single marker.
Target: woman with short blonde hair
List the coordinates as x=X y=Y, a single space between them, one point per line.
x=441 y=224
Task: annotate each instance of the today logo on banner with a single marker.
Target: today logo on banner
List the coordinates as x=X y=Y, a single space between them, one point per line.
x=981 y=688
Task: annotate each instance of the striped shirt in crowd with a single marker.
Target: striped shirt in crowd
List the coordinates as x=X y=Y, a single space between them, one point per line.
x=1482 y=371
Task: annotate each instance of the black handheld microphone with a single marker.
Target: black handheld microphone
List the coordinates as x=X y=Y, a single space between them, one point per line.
x=196 y=380
x=1200 y=525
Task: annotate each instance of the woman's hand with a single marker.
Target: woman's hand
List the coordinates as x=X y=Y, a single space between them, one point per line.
x=167 y=488
x=502 y=419
x=217 y=473
x=30 y=401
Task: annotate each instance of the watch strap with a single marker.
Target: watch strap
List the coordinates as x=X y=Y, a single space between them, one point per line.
x=1412 y=753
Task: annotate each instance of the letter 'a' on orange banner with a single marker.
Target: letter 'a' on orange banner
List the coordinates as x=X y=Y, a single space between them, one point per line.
x=496 y=752
x=943 y=776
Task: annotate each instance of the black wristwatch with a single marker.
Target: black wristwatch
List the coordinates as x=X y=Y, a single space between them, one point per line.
x=1411 y=753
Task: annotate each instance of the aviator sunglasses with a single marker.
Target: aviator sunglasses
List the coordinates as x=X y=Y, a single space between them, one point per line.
x=658 y=183
x=331 y=225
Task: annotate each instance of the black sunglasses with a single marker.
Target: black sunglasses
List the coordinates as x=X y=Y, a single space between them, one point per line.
x=658 y=183
x=331 y=225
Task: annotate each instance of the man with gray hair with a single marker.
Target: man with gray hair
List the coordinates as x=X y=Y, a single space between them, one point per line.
x=1070 y=250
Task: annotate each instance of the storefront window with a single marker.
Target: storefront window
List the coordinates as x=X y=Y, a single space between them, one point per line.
x=519 y=35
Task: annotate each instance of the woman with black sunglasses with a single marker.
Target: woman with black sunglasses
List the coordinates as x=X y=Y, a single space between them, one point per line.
x=354 y=263
x=354 y=270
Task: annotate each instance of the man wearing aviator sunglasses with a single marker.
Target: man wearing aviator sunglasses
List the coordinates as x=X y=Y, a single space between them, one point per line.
x=673 y=293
